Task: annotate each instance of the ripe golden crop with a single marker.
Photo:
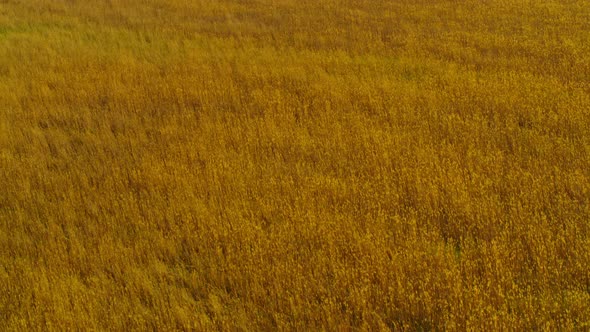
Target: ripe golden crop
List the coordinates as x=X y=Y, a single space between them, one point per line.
x=295 y=165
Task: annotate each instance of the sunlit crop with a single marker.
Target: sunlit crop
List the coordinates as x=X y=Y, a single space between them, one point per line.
x=301 y=165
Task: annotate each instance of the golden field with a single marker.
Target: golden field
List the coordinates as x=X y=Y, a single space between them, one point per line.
x=294 y=165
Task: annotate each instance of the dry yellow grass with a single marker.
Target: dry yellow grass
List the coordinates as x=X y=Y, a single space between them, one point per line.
x=295 y=165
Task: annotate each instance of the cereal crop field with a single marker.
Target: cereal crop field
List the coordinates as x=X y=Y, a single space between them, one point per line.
x=294 y=165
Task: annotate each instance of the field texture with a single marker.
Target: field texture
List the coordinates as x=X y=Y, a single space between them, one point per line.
x=294 y=165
